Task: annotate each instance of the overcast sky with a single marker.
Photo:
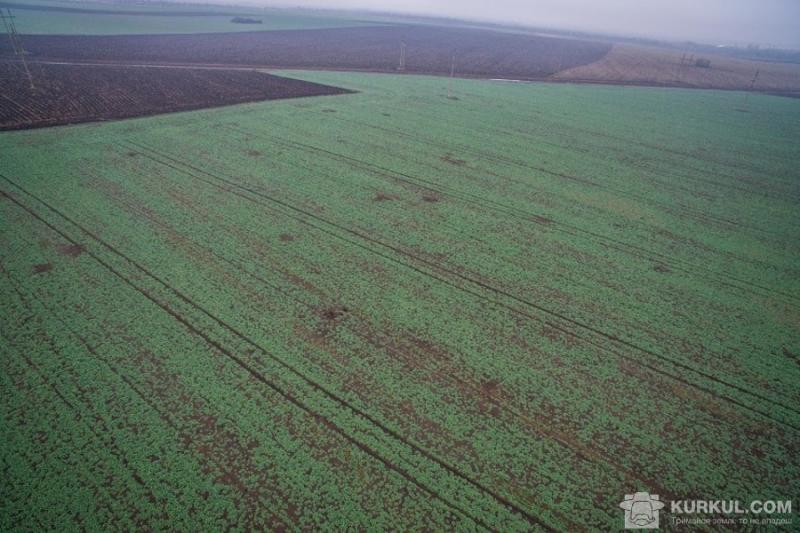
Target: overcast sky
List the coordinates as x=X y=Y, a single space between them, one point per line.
x=774 y=22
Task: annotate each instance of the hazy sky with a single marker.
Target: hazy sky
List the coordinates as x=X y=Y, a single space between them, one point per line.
x=712 y=21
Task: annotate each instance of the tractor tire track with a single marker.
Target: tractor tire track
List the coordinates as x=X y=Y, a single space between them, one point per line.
x=540 y=426
x=146 y=399
x=100 y=436
x=502 y=500
x=758 y=190
x=624 y=247
x=609 y=337
x=677 y=210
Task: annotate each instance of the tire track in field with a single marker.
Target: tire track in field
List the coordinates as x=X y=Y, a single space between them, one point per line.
x=509 y=161
x=531 y=218
x=494 y=156
x=624 y=247
x=254 y=373
x=539 y=426
x=485 y=286
x=609 y=242
x=542 y=221
x=147 y=400
x=676 y=210
x=586 y=453
x=583 y=452
x=759 y=186
x=293 y=399
x=107 y=442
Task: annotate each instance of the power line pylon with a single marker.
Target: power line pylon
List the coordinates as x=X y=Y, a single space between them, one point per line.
x=16 y=43
x=755 y=79
x=679 y=69
x=750 y=88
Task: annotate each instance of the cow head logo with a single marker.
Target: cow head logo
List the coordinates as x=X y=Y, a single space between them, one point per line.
x=641 y=510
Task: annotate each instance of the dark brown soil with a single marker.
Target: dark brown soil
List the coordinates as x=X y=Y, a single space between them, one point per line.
x=478 y=53
x=72 y=250
x=66 y=94
x=335 y=312
x=42 y=268
x=453 y=161
x=382 y=197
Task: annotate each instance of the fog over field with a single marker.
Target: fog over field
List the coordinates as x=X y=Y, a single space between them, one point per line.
x=766 y=22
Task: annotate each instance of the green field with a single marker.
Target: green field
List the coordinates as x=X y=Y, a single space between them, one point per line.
x=71 y=18
x=399 y=310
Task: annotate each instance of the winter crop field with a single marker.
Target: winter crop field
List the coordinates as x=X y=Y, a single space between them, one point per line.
x=496 y=305
x=109 y=18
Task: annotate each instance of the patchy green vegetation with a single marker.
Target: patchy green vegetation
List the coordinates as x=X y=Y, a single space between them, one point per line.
x=86 y=18
x=395 y=309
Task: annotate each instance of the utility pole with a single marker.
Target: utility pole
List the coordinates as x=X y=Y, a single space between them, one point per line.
x=679 y=69
x=402 y=66
x=16 y=43
x=452 y=75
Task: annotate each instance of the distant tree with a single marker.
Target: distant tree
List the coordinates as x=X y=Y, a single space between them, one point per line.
x=702 y=62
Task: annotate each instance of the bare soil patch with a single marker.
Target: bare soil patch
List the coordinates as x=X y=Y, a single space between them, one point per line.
x=383 y=197
x=334 y=313
x=453 y=160
x=42 y=268
x=72 y=250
